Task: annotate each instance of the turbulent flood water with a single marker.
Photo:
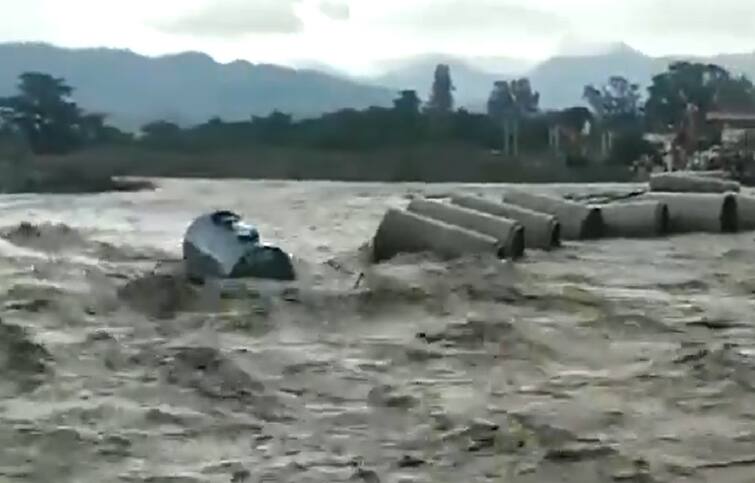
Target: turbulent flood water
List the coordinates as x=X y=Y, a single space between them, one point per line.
x=614 y=360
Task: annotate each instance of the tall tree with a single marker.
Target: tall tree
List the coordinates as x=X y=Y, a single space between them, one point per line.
x=501 y=101
x=441 y=97
x=735 y=94
x=508 y=103
x=616 y=105
x=43 y=112
x=617 y=100
x=526 y=100
x=513 y=99
x=407 y=104
x=687 y=87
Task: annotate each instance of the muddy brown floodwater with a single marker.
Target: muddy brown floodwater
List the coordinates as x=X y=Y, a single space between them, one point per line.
x=613 y=360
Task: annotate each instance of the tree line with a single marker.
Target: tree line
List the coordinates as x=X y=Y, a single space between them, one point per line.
x=44 y=114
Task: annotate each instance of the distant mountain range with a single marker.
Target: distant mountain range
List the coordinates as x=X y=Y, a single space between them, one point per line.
x=186 y=88
x=560 y=80
x=190 y=88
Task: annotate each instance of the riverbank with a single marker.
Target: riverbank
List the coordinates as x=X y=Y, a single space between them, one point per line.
x=425 y=164
x=63 y=178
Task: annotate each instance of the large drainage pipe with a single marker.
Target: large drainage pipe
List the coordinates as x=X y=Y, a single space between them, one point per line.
x=687 y=183
x=699 y=212
x=509 y=233
x=578 y=221
x=637 y=219
x=404 y=232
x=746 y=212
x=541 y=230
x=712 y=173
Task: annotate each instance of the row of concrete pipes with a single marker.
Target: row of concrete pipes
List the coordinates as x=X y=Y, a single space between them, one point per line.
x=520 y=220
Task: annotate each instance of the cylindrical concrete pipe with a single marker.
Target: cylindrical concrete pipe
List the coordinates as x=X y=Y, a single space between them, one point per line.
x=746 y=212
x=541 y=230
x=404 y=232
x=578 y=221
x=699 y=212
x=688 y=183
x=636 y=219
x=712 y=173
x=509 y=232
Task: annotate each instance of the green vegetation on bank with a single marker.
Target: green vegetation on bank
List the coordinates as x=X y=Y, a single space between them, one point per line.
x=49 y=141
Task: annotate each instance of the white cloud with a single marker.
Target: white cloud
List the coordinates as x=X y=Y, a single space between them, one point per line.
x=704 y=18
x=336 y=10
x=356 y=33
x=466 y=16
x=661 y=27
x=233 y=18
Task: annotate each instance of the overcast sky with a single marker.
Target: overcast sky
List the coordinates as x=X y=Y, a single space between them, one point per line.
x=353 y=34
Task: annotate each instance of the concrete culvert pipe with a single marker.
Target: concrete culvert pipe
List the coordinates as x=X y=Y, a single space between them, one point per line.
x=638 y=219
x=509 y=233
x=713 y=173
x=699 y=212
x=404 y=232
x=746 y=212
x=541 y=230
x=578 y=221
x=688 y=183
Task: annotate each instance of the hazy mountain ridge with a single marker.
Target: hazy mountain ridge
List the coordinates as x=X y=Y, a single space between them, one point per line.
x=191 y=87
x=560 y=80
x=186 y=88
